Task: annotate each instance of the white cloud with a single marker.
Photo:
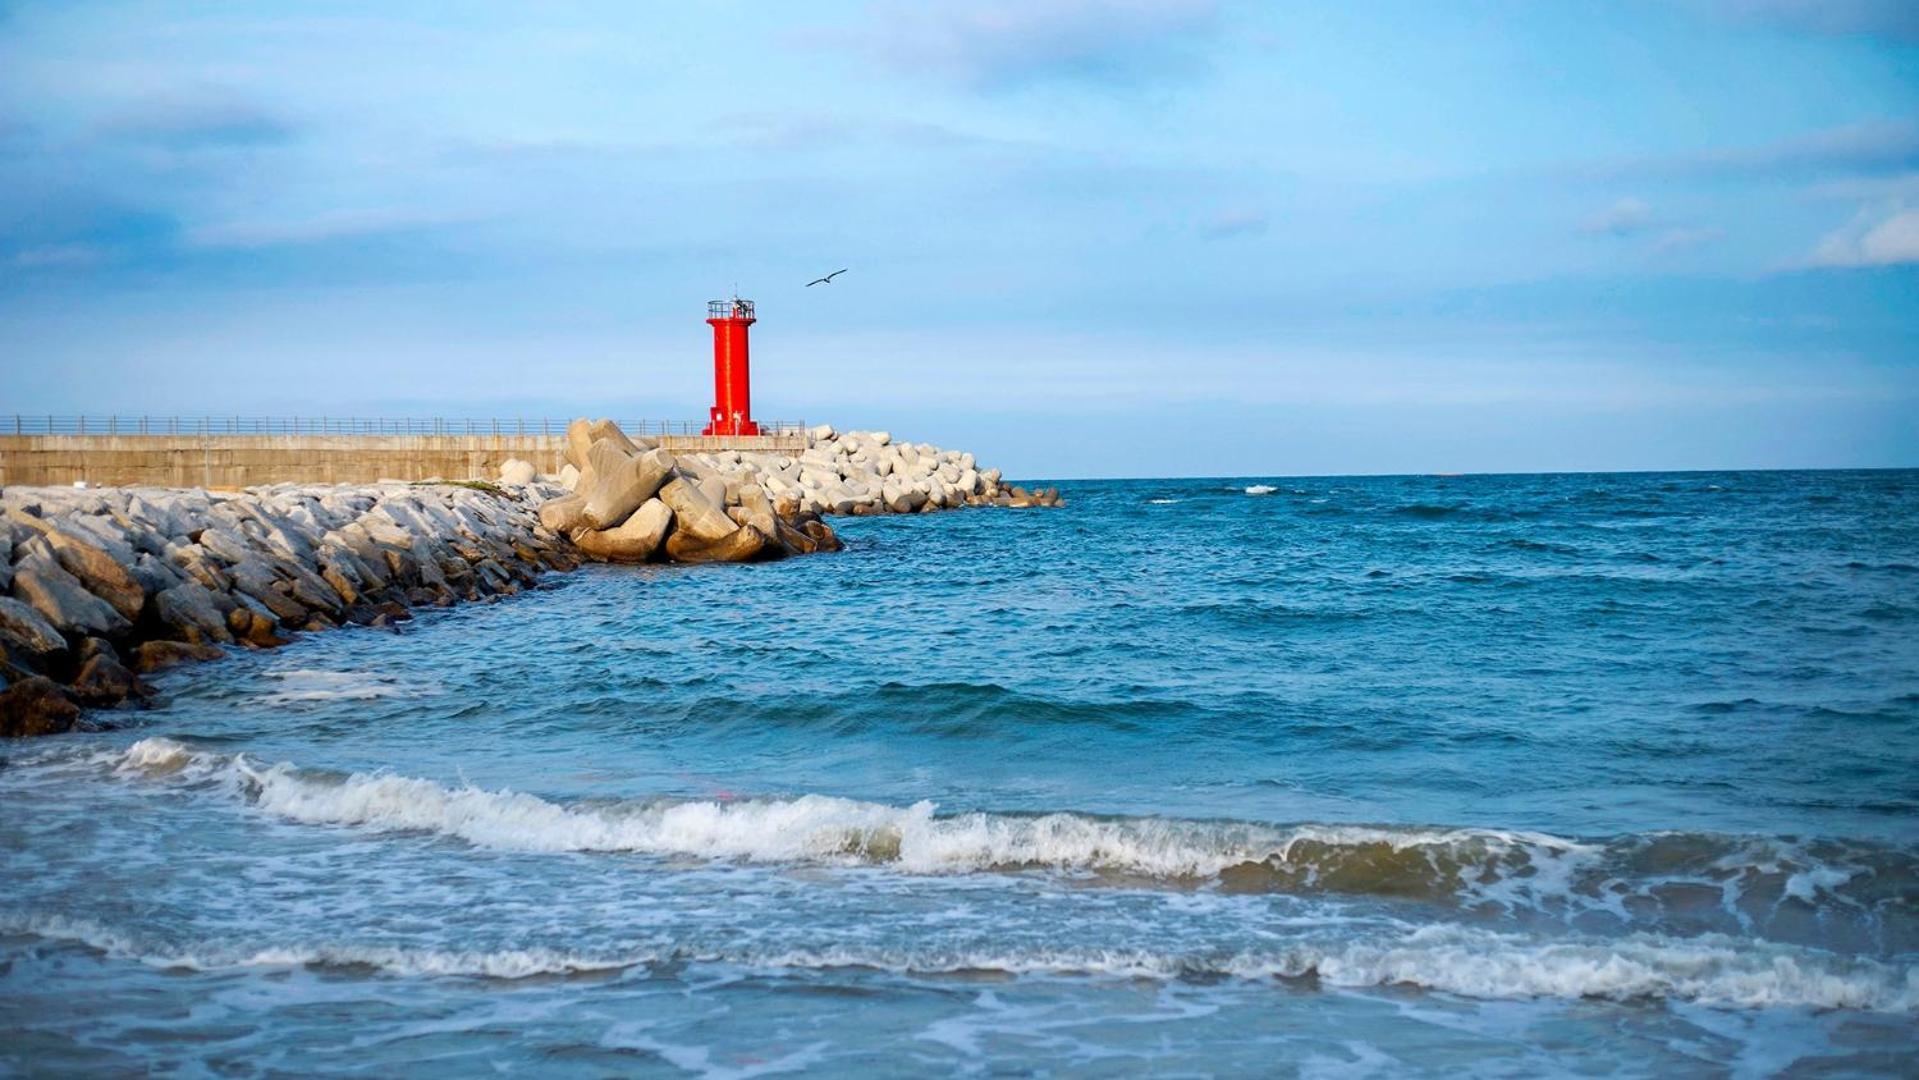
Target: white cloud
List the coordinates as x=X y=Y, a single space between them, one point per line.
x=1626 y=217
x=1876 y=236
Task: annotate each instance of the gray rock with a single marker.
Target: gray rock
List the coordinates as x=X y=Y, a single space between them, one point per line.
x=193 y=612
x=40 y=580
x=24 y=629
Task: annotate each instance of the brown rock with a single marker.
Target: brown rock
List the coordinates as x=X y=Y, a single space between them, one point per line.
x=159 y=655
x=794 y=539
x=36 y=706
x=741 y=545
x=46 y=585
x=103 y=680
x=824 y=538
x=27 y=631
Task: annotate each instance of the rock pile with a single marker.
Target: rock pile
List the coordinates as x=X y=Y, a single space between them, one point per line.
x=855 y=472
x=101 y=586
x=629 y=501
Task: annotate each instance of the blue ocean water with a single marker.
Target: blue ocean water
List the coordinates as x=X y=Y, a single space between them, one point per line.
x=1351 y=776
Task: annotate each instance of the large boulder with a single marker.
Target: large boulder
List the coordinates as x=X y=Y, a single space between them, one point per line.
x=621 y=483
x=741 y=545
x=193 y=611
x=634 y=540
x=696 y=516
x=150 y=656
x=36 y=706
x=25 y=630
x=517 y=472
x=104 y=680
x=103 y=575
x=44 y=584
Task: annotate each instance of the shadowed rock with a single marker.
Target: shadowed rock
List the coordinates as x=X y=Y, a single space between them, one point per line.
x=36 y=706
x=26 y=631
x=150 y=656
x=104 y=680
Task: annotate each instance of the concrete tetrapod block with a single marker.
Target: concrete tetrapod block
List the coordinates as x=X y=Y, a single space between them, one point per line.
x=696 y=517
x=562 y=515
x=621 y=483
x=634 y=540
x=742 y=544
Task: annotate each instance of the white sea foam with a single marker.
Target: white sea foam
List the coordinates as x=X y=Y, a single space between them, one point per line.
x=913 y=839
x=1710 y=970
x=298 y=685
x=1261 y=489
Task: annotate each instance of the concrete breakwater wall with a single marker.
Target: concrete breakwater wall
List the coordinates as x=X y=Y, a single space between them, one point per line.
x=241 y=461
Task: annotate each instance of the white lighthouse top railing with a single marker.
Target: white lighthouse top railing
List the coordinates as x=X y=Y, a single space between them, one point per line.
x=735 y=308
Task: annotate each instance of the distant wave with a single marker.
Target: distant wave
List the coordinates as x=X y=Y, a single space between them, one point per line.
x=1261 y=489
x=1711 y=970
x=1704 y=882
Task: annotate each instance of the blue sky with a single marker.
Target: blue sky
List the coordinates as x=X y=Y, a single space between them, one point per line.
x=1086 y=237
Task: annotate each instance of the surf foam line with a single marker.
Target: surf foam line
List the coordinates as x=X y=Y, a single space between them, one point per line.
x=1713 y=970
x=1473 y=867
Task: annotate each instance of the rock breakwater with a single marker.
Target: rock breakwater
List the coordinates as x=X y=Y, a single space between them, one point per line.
x=99 y=587
x=853 y=472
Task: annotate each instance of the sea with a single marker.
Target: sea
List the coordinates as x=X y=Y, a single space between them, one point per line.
x=1267 y=776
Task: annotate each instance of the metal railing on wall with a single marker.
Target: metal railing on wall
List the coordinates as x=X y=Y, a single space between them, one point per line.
x=52 y=424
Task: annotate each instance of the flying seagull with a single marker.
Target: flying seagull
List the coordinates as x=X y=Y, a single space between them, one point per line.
x=827 y=280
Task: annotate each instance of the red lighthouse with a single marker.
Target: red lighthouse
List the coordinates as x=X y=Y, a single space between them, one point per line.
x=732 y=412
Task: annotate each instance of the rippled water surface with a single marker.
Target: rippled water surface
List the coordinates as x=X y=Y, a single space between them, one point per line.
x=1494 y=775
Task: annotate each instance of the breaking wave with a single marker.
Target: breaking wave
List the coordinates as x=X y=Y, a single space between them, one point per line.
x=1713 y=970
x=1851 y=894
